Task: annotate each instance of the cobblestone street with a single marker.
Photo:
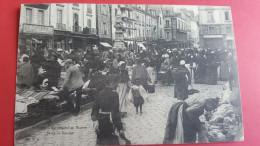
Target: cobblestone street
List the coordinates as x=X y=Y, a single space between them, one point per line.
x=147 y=128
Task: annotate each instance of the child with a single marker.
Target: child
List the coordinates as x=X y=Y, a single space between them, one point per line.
x=138 y=94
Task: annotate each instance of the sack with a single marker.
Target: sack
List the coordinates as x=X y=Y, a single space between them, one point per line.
x=151 y=88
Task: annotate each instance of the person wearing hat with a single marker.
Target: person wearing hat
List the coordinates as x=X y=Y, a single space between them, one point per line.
x=73 y=82
x=25 y=73
x=53 y=69
x=166 y=67
x=181 y=82
x=212 y=69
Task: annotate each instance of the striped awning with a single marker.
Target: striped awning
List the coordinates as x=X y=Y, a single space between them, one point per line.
x=105 y=44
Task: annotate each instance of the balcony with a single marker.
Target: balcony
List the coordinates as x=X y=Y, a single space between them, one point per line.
x=167 y=26
x=126 y=7
x=125 y=18
x=61 y=26
x=91 y=31
x=77 y=29
x=39 y=6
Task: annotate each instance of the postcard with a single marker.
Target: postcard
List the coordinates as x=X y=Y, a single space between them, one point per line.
x=119 y=74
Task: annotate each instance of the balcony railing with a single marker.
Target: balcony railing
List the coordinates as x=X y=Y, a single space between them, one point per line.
x=128 y=7
x=77 y=29
x=61 y=26
x=92 y=31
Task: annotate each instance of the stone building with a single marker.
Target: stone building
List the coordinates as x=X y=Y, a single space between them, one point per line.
x=53 y=26
x=104 y=25
x=74 y=26
x=216 y=29
x=35 y=30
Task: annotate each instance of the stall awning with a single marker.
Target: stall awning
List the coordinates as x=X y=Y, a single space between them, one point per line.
x=141 y=45
x=212 y=36
x=105 y=44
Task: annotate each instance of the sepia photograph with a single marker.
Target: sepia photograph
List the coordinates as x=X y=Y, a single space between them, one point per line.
x=119 y=74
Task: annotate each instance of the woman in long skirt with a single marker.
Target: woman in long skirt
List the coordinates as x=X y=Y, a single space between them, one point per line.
x=122 y=88
x=181 y=82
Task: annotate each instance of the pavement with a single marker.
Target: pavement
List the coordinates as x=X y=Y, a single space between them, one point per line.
x=147 y=128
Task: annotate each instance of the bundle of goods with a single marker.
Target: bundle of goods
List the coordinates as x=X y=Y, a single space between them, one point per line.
x=151 y=88
x=160 y=75
x=222 y=124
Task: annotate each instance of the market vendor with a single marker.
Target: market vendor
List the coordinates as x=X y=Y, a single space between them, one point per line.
x=73 y=82
x=25 y=73
x=183 y=120
x=53 y=70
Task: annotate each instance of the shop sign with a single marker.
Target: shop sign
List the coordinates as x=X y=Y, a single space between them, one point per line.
x=37 y=29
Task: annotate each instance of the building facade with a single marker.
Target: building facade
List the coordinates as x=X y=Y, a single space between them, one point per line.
x=176 y=29
x=104 y=25
x=216 y=29
x=74 y=26
x=57 y=26
x=35 y=30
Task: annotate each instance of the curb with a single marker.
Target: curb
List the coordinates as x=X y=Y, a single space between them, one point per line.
x=25 y=132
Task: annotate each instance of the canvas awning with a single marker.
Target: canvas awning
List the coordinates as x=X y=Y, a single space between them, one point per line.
x=105 y=44
x=212 y=36
x=141 y=45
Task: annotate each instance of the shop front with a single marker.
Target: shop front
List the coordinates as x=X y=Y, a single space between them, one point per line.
x=62 y=40
x=105 y=44
x=33 y=37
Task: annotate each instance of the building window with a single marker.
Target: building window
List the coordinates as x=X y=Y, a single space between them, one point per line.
x=89 y=23
x=167 y=23
x=40 y=17
x=229 y=44
x=115 y=12
x=128 y=14
x=89 y=9
x=160 y=21
x=210 y=17
x=129 y=33
x=29 y=16
x=228 y=29
x=178 y=24
x=59 y=16
x=104 y=28
x=226 y=15
x=103 y=9
x=76 y=5
x=211 y=30
x=167 y=35
x=76 y=22
x=160 y=33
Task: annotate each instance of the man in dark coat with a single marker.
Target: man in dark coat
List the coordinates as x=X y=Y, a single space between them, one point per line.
x=106 y=116
x=53 y=70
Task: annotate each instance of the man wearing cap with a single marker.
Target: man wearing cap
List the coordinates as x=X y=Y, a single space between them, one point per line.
x=73 y=82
